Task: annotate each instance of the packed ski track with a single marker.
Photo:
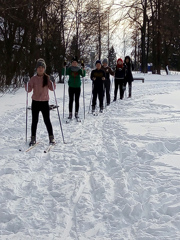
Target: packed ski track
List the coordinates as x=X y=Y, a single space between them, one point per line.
x=116 y=178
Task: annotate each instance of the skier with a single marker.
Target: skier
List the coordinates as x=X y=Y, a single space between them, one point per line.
x=119 y=79
x=74 y=83
x=107 y=82
x=129 y=77
x=98 y=77
x=40 y=84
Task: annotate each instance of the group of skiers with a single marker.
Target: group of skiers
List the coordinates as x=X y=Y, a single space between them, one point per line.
x=41 y=83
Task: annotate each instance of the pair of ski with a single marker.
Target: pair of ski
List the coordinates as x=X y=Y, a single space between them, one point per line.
x=71 y=119
x=46 y=150
x=96 y=113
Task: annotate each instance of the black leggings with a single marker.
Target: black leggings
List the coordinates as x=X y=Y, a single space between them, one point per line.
x=98 y=91
x=107 y=88
x=41 y=106
x=119 y=83
x=72 y=92
x=130 y=87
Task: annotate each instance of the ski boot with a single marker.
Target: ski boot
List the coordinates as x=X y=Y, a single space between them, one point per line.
x=101 y=109
x=70 y=116
x=33 y=141
x=93 y=109
x=76 y=115
x=51 y=140
x=129 y=95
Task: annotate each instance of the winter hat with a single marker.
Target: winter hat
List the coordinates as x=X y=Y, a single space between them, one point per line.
x=105 y=60
x=74 y=59
x=119 y=59
x=98 y=61
x=119 y=65
x=41 y=63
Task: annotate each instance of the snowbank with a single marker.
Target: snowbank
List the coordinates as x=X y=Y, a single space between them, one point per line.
x=118 y=178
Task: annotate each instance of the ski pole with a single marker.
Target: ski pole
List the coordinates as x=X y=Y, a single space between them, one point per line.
x=57 y=110
x=83 y=98
x=64 y=90
x=91 y=98
x=26 y=110
x=82 y=64
x=26 y=80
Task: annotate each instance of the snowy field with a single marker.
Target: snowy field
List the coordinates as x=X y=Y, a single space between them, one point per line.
x=118 y=178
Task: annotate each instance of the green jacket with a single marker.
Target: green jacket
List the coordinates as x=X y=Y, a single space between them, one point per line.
x=74 y=74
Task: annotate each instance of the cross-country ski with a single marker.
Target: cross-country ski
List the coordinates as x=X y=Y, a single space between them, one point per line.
x=49 y=148
x=30 y=147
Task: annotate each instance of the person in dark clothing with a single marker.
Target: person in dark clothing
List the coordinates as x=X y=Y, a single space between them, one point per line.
x=98 y=77
x=107 y=82
x=74 y=83
x=119 y=79
x=129 y=76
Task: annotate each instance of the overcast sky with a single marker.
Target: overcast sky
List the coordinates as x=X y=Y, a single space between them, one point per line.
x=121 y=39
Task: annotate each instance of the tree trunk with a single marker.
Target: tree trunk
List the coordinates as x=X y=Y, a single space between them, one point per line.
x=159 y=37
x=143 y=40
x=99 y=31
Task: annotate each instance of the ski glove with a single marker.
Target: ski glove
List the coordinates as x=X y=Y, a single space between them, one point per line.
x=26 y=79
x=65 y=64
x=94 y=78
x=52 y=79
x=82 y=65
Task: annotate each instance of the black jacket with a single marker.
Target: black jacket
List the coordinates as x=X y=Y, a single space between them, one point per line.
x=129 y=76
x=98 y=75
x=120 y=73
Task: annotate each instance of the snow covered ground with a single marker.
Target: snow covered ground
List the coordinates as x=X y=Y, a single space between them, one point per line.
x=118 y=178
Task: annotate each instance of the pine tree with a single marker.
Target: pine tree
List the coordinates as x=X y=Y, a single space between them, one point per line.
x=112 y=58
